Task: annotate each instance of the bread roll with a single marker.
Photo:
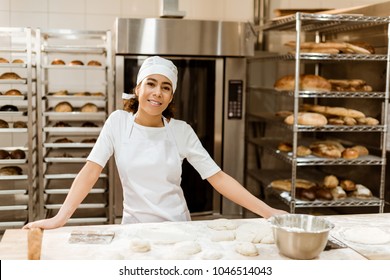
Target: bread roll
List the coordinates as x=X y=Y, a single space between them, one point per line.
x=336 y=121
x=34 y=243
x=312 y=119
x=14 y=92
x=9 y=108
x=17 y=154
x=303 y=151
x=63 y=140
x=20 y=124
x=10 y=171
x=89 y=124
x=18 y=60
x=63 y=107
x=94 y=63
x=10 y=76
x=3 y=124
x=350 y=153
x=361 y=48
x=61 y=124
x=362 y=151
x=307 y=82
x=285 y=147
x=61 y=93
x=367 y=121
x=349 y=121
x=338 y=193
x=89 y=108
x=76 y=62
x=361 y=192
x=97 y=94
x=58 y=62
x=323 y=193
x=4 y=154
x=348 y=185
x=306 y=194
x=330 y=181
x=3 y=60
x=89 y=140
x=336 y=111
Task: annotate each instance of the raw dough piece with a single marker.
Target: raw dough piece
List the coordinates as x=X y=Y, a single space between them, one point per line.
x=139 y=245
x=187 y=247
x=225 y=235
x=247 y=249
x=253 y=232
x=367 y=235
x=159 y=235
x=268 y=239
x=222 y=224
x=211 y=255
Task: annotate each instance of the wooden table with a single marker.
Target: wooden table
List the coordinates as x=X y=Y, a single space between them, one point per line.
x=55 y=244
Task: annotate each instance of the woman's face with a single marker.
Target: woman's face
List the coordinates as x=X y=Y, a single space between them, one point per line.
x=154 y=94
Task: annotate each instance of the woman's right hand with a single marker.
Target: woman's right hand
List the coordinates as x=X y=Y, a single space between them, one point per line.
x=51 y=223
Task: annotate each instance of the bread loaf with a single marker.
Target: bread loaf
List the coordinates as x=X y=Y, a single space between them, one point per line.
x=307 y=82
x=350 y=153
x=20 y=124
x=330 y=181
x=285 y=147
x=63 y=107
x=63 y=140
x=4 y=154
x=94 y=63
x=285 y=184
x=338 y=193
x=76 y=62
x=348 y=185
x=18 y=60
x=3 y=60
x=323 y=193
x=306 y=194
x=58 y=62
x=336 y=111
x=303 y=151
x=17 y=154
x=325 y=150
x=89 y=108
x=14 y=92
x=10 y=171
x=10 y=76
x=306 y=118
x=362 y=151
x=361 y=192
x=3 y=124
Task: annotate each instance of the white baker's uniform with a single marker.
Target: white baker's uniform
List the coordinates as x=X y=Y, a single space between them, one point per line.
x=149 y=165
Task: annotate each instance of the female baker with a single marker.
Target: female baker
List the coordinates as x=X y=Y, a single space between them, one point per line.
x=149 y=147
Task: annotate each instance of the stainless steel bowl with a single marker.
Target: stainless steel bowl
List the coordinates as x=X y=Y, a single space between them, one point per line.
x=300 y=236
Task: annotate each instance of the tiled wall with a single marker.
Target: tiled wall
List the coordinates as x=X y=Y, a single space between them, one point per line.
x=100 y=14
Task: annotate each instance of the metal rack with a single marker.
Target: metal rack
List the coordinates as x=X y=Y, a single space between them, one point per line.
x=59 y=162
x=320 y=27
x=18 y=193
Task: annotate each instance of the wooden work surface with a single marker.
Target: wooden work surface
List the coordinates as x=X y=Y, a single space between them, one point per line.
x=56 y=243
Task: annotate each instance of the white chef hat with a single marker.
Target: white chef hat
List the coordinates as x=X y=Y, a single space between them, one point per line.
x=158 y=65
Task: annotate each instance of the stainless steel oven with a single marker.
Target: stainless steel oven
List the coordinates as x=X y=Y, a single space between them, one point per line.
x=211 y=61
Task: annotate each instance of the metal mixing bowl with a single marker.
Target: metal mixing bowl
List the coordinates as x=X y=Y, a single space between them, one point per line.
x=300 y=236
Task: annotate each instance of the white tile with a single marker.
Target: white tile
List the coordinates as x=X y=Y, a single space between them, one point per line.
x=206 y=10
x=100 y=22
x=23 y=19
x=66 y=21
x=140 y=8
x=4 y=19
x=234 y=10
x=67 y=6
x=4 y=5
x=103 y=7
x=29 y=6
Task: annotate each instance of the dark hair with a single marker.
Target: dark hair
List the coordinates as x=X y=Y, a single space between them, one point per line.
x=131 y=105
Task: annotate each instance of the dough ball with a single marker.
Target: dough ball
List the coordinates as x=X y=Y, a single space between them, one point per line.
x=212 y=255
x=367 y=235
x=253 y=232
x=247 y=249
x=268 y=239
x=225 y=235
x=187 y=247
x=139 y=245
x=222 y=224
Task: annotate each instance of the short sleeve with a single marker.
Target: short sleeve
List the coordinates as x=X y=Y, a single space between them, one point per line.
x=104 y=146
x=192 y=149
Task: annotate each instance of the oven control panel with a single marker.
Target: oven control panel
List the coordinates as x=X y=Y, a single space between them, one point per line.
x=235 y=99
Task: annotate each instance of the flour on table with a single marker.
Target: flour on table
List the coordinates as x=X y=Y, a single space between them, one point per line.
x=225 y=235
x=254 y=232
x=222 y=224
x=187 y=247
x=247 y=249
x=164 y=235
x=212 y=255
x=367 y=235
x=139 y=245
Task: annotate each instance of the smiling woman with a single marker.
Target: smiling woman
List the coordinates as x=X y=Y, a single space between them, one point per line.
x=149 y=147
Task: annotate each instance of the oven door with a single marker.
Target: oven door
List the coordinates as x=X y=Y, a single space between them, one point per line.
x=198 y=101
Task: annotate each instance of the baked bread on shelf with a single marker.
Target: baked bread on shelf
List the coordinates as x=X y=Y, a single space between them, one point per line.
x=10 y=76
x=94 y=63
x=3 y=60
x=307 y=82
x=3 y=124
x=17 y=154
x=307 y=118
x=4 y=154
x=11 y=171
x=14 y=92
x=18 y=60
x=76 y=63
x=333 y=47
x=58 y=61
x=89 y=108
x=63 y=107
x=20 y=124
